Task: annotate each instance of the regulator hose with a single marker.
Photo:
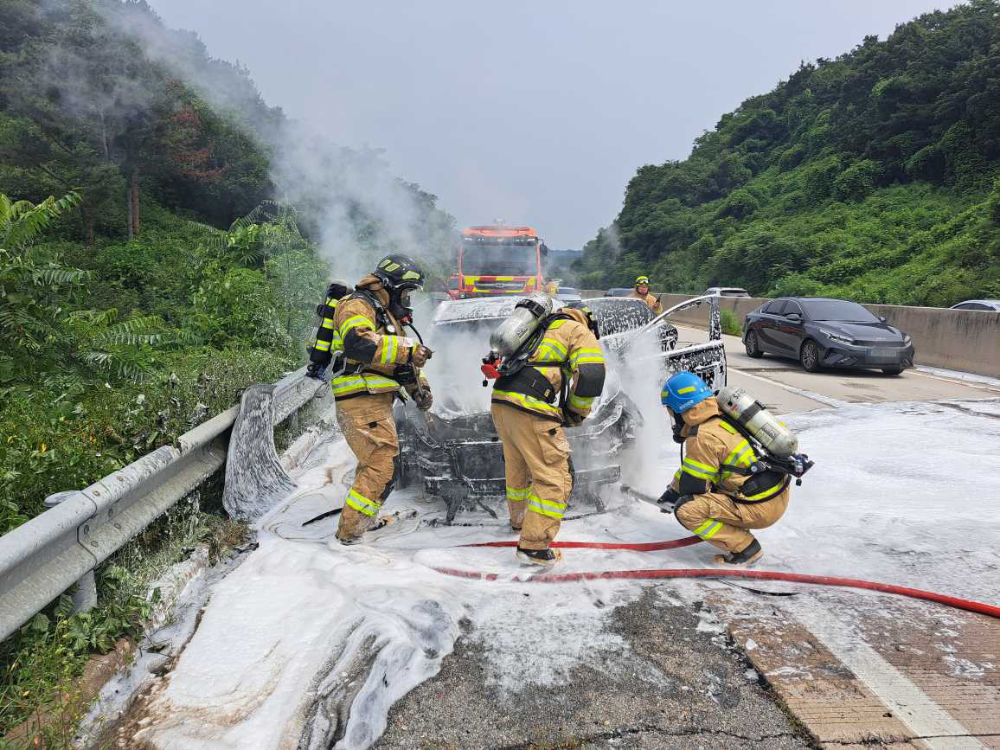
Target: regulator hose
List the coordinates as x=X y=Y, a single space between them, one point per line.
x=761 y=575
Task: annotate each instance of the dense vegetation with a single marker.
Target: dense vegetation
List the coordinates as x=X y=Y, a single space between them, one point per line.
x=873 y=176
x=164 y=238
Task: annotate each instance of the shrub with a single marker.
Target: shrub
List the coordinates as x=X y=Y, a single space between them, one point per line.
x=731 y=324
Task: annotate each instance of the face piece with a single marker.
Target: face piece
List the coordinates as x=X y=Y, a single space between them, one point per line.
x=642 y=288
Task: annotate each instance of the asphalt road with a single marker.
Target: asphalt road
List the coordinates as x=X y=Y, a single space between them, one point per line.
x=681 y=687
x=781 y=384
x=676 y=685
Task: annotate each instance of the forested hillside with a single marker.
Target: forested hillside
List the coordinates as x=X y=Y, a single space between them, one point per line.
x=873 y=177
x=165 y=236
x=191 y=233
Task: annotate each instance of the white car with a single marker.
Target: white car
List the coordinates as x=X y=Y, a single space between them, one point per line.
x=727 y=291
x=989 y=305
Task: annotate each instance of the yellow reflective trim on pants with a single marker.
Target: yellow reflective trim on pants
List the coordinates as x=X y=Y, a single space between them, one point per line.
x=708 y=529
x=517 y=495
x=528 y=402
x=361 y=503
x=546 y=507
x=322 y=346
x=356 y=321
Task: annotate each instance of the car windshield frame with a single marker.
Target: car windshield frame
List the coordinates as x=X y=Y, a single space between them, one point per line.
x=809 y=308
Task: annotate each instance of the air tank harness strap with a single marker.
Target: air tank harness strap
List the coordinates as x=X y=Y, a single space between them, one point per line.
x=752 y=494
x=530 y=382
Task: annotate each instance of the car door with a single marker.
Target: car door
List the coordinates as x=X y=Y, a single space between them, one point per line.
x=768 y=324
x=789 y=333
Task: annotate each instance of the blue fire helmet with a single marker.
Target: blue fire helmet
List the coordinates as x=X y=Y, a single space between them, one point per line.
x=684 y=390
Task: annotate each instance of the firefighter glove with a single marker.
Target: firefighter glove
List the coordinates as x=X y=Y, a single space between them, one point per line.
x=423 y=398
x=405 y=374
x=668 y=500
x=571 y=418
x=419 y=355
x=315 y=371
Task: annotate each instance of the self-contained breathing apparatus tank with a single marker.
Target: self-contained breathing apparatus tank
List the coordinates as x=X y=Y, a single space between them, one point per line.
x=513 y=333
x=756 y=422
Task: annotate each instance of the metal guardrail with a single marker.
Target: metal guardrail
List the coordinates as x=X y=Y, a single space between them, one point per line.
x=42 y=558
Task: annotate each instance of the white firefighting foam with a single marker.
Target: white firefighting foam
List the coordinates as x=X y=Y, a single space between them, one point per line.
x=902 y=493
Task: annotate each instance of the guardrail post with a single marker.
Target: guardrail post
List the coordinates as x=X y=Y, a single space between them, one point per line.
x=85 y=593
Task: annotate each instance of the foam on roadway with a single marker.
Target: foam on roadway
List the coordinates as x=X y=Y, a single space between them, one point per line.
x=309 y=644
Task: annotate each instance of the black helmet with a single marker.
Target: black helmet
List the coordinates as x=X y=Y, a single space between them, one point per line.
x=400 y=275
x=591 y=320
x=399 y=272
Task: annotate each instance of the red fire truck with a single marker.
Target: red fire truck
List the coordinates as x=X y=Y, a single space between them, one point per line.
x=499 y=260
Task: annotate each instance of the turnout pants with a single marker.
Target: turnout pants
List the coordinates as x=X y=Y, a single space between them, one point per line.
x=370 y=430
x=536 y=467
x=723 y=523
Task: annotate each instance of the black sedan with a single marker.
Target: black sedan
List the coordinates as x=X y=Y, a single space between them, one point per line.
x=826 y=333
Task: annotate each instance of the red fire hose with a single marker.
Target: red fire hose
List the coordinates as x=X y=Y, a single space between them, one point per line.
x=767 y=575
x=636 y=547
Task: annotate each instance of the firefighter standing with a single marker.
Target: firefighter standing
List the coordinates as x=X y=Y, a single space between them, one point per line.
x=714 y=494
x=641 y=291
x=378 y=362
x=564 y=374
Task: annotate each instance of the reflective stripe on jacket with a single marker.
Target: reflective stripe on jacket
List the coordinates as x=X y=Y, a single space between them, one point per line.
x=571 y=341
x=714 y=454
x=373 y=349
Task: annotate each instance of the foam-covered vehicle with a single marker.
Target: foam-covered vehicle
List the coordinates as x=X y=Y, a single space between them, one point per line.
x=453 y=450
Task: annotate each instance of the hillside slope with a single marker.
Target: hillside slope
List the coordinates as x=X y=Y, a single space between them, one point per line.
x=872 y=177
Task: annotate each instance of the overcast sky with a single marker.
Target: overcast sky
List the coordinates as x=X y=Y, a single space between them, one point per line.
x=532 y=111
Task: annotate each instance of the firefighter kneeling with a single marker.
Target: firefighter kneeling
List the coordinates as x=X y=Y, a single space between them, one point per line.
x=549 y=378
x=716 y=493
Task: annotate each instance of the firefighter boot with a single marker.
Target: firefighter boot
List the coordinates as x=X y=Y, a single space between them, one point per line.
x=743 y=559
x=539 y=556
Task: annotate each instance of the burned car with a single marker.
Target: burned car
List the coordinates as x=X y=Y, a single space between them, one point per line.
x=453 y=451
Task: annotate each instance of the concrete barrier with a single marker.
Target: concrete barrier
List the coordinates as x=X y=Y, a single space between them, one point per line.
x=965 y=340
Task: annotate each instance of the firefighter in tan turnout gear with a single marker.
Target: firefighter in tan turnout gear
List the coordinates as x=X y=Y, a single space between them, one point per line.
x=548 y=379
x=641 y=291
x=376 y=363
x=716 y=493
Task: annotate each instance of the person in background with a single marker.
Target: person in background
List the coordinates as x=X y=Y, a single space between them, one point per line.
x=641 y=291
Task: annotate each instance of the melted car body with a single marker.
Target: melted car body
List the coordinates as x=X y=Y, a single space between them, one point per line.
x=454 y=452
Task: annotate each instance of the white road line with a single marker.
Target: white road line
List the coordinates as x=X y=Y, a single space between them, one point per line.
x=818 y=397
x=958 y=381
x=908 y=703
